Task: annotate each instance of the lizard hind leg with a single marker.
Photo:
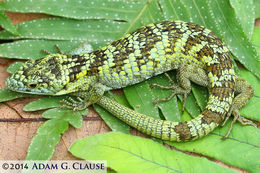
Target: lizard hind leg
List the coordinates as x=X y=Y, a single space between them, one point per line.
x=245 y=93
x=185 y=74
x=176 y=89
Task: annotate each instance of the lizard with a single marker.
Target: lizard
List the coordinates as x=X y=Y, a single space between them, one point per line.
x=196 y=53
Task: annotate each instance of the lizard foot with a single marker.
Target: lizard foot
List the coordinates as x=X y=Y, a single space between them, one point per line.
x=176 y=89
x=48 y=52
x=74 y=104
x=237 y=117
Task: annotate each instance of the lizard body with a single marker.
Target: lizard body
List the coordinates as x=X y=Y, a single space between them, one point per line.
x=195 y=52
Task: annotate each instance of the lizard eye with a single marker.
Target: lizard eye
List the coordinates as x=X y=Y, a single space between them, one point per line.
x=32 y=85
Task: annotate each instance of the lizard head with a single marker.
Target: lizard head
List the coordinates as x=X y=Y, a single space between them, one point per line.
x=55 y=74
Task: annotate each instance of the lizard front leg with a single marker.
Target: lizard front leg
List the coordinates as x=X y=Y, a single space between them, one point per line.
x=85 y=98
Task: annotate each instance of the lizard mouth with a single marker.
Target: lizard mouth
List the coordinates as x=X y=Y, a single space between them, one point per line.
x=14 y=85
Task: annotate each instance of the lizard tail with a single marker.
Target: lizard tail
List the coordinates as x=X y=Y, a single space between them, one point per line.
x=165 y=130
x=221 y=87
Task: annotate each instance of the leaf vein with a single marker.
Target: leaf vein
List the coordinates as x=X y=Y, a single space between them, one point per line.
x=138 y=16
x=235 y=140
x=141 y=157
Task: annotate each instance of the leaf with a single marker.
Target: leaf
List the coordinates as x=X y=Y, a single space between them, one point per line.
x=257 y=6
x=140 y=98
x=14 y=67
x=122 y=150
x=74 y=118
x=6 y=23
x=241 y=149
x=201 y=95
x=251 y=110
x=150 y=13
x=6 y=95
x=96 y=9
x=135 y=14
x=31 y=49
x=185 y=116
x=173 y=10
x=44 y=103
x=246 y=14
x=114 y=123
x=93 y=31
x=48 y=135
x=191 y=105
x=256 y=40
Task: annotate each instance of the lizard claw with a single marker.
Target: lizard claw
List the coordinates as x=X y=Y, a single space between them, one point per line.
x=237 y=117
x=75 y=105
x=48 y=52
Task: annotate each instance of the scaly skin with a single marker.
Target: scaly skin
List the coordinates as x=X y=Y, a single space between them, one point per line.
x=195 y=52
